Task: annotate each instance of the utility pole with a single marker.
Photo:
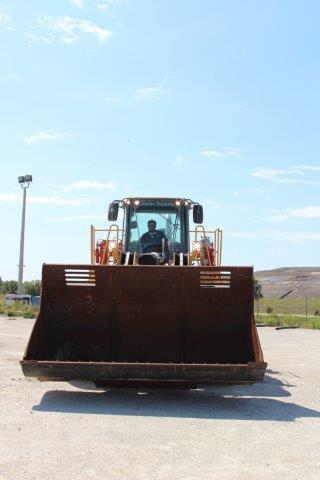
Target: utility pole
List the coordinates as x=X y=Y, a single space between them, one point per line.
x=24 y=183
x=258 y=295
x=306 y=304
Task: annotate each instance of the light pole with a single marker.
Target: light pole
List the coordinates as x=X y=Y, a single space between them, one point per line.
x=306 y=303
x=24 y=183
x=258 y=292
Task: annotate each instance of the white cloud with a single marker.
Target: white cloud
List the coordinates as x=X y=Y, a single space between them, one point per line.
x=34 y=38
x=89 y=184
x=5 y=19
x=235 y=152
x=273 y=174
x=149 y=93
x=279 y=236
x=74 y=202
x=47 y=136
x=73 y=218
x=292 y=174
x=8 y=197
x=292 y=237
x=242 y=234
x=111 y=100
x=214 y=154
x=308 y=235
x=211 y=154
x=281 y=217
x=77 y=3
x=240 y=107
x=105 y=5
x=9 y=76
x=309 y=168
x=305 y=212
x=69 y=30
x=179 y=160
x=259 y=191
x=144 y=158
x=214 y=204
x=223 y=206
x=38 y=68
x=42 y=200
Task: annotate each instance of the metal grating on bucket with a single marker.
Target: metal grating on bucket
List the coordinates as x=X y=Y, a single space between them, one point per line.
x=215 y=279
x=75 y=277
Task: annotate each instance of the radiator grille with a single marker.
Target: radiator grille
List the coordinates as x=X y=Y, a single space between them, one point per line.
x=215 y=279
x=80 y=277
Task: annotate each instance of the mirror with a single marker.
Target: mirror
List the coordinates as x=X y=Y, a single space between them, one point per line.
x=113 y=211
x=197 y=213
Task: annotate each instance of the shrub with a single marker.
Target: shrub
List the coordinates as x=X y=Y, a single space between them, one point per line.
x=18 y=309
x=269 y=309
x=29 y=288
x=316 y=324
x=9 y=286
x=32 y=288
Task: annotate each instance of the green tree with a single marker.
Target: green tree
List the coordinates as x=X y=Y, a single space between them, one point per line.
x=32 y=288
x=9 y=286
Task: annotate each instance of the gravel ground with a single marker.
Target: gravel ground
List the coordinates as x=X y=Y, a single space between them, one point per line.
x=265 y=431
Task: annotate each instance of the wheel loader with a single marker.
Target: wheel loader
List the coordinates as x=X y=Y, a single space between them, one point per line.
x=154 y=307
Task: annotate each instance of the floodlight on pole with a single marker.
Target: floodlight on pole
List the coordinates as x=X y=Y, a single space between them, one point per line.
x=24 y=181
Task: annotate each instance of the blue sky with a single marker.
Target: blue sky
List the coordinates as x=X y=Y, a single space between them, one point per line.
x=215 y=101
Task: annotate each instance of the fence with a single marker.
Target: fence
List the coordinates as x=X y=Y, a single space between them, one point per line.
x=295 y=306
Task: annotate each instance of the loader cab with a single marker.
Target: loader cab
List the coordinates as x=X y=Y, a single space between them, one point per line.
x=171 y=217
x=170 y=214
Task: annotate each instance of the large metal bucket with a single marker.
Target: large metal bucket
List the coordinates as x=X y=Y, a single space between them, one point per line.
x=138 y=325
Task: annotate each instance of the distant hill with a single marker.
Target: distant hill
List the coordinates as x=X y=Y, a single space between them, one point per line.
x=296 y=280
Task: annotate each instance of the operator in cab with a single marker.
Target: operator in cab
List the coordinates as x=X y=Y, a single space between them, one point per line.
x=151 y=241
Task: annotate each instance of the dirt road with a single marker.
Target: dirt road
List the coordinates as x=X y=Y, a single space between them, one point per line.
x=263 y=432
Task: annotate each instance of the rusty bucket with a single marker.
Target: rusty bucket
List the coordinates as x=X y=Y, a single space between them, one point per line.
x=145 y=325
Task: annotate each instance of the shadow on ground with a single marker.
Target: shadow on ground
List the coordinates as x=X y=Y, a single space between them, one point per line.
x=217 y=402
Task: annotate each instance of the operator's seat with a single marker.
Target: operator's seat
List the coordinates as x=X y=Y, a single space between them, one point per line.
x=143 y=259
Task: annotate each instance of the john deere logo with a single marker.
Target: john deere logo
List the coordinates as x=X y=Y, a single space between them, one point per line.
x=157 y=204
